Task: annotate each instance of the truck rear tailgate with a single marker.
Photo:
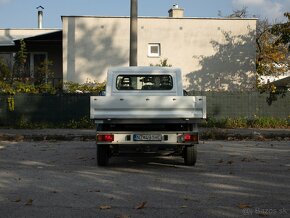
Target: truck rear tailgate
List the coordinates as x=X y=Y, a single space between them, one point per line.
x=147 y=107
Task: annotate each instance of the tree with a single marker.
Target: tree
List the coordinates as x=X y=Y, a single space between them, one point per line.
x=5 y=72
x=43 y=72
x=282 y=31
x=238 y=13
x=273 y=46
x=20 y=60
x=163 y=63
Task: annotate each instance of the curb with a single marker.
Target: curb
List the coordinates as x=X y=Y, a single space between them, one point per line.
x=245 y=134
x=89 y=135
x=12 y=137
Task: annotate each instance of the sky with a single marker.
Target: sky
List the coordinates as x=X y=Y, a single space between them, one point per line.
x=23 y=13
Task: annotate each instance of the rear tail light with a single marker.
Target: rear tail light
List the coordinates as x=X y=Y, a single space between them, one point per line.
x=105 y=138
x=189 y=137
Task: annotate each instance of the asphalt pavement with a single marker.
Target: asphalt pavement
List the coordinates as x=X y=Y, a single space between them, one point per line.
x=51 y=179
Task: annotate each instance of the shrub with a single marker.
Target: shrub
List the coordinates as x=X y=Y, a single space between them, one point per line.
x=89 y=87
x=269 y=122
x=257 y=122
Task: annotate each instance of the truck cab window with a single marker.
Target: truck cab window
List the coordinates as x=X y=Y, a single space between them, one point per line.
x=144 y=82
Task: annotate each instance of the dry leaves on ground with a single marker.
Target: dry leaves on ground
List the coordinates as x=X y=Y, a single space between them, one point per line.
x=123 y=216
x=29 y=202
x=105 y=207
x=18 y=199
x=221 y=161
x=142 y=205
x=243 y=206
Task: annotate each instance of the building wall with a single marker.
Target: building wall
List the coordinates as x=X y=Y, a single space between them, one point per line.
x=38 y=41
x=214 y=54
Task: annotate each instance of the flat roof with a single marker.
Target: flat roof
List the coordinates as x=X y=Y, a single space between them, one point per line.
x=147 y=17
x=9 y=35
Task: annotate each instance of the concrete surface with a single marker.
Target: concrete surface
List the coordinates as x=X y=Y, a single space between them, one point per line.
x=60 y=179
x=89 y=134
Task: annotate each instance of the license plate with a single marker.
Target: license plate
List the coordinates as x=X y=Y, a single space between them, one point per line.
x=147 y=137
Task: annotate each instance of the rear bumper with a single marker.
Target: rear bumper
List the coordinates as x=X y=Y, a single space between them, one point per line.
x=156 y=138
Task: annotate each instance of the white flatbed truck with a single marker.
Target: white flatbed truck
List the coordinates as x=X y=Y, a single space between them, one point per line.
x=144 y=110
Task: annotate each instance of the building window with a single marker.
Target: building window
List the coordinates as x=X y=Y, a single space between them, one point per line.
x=7 y=59
x=36 y=60
x=154 y=50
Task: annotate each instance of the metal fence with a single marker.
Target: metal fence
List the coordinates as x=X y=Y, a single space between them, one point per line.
x=246 y=104
x=66 y=107
x=43 y=108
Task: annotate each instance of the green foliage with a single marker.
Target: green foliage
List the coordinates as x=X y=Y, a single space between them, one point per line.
x=25 y=87
x=21 y=87
x=5 y=73
x=89 y=87
x=6 y=88
x=282 y=31
x=239 y=13
x=163 y=63
x=46 y=88
x=269 y=122
x=23 y=123
x=228 y=123
x=273 y=46
x=273 y=96
x=257 y=122
x=43 y=72
x=30 y=87
x=11 y=103
x=17 y=83
x=83 y=123
x=20 y=60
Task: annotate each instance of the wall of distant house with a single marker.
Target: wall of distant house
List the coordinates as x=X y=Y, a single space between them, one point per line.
x=39 y=42
x=214 y=54
x=53 y=50
x=52 y=53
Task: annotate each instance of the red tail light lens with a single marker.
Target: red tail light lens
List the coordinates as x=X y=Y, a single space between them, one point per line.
x=105 y=138
x=190 y=138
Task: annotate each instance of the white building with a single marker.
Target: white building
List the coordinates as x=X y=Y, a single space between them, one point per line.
x=213 y=53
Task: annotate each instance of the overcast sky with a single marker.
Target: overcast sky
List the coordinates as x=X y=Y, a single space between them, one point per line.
x=23 y=13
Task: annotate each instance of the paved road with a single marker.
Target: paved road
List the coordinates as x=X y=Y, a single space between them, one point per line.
x=60 y=179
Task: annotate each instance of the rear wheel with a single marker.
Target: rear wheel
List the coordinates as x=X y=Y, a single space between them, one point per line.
x=103 y=155
x=190 y=154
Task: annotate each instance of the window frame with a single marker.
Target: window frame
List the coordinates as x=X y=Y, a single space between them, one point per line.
x=150 y=54
x=136 y=77
x=32 y=64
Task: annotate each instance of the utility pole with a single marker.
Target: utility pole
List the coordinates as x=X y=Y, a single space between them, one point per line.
x=133 y=33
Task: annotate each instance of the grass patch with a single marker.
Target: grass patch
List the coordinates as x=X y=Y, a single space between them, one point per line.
x=228 y=123
x=258 y=122
x=83 y=123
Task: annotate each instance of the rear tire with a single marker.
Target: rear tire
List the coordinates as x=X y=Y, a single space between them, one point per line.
x=190 y=154
x=103 y=155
